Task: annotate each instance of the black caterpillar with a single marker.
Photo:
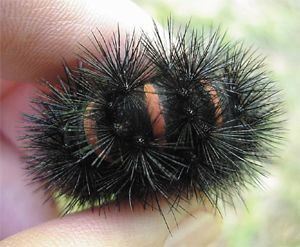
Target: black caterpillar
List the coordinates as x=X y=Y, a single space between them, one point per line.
x=145 y=120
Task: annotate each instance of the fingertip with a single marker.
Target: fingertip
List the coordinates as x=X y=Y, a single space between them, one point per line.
x=37 y=35
x=21 y=206
x=115 y=228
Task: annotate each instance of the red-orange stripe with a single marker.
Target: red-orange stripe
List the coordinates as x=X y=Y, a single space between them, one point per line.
x=155 y=111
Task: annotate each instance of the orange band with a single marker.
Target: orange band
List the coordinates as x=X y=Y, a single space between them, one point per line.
x=154 y=111
x=216 y=101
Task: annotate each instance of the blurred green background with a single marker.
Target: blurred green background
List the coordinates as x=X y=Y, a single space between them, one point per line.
x=272 y=216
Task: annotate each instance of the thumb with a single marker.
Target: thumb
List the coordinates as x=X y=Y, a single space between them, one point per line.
x=122 y=227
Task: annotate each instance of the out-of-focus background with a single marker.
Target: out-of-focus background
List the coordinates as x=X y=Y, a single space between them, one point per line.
x=272 y=216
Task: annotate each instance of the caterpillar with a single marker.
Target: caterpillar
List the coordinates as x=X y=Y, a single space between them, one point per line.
x=146 y=119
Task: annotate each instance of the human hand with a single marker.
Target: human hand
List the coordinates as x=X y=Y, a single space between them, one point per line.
x=35 y=36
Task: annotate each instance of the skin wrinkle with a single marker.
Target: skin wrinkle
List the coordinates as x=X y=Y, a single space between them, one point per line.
x=76 y=21
x=116 y=228
x=90 y=232
x=52 y=30
x=45 y=29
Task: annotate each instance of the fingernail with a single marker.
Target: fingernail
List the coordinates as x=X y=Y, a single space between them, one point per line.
x=200 y=229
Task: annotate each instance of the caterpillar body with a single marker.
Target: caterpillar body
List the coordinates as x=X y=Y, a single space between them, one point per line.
x=146 y=119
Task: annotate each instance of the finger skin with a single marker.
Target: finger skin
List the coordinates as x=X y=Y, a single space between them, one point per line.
x=115 y=228
x=21 y=206
x=6 y=87
x=37 y=34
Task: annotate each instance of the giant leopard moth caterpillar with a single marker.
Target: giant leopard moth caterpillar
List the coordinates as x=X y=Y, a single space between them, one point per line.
x=144 y=120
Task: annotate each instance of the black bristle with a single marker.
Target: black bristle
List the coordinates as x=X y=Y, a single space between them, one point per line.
x=93 y=138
